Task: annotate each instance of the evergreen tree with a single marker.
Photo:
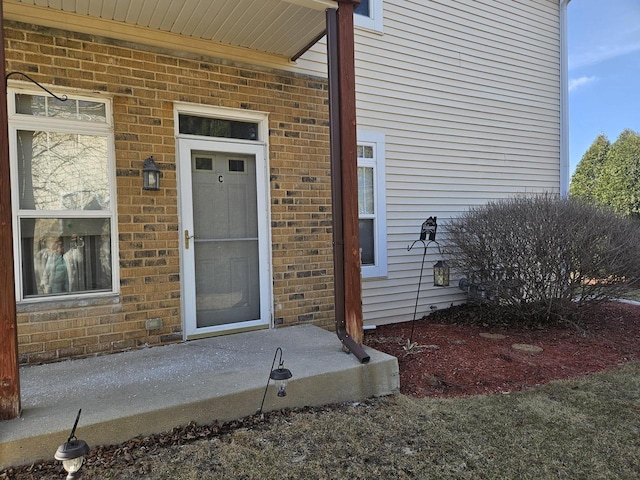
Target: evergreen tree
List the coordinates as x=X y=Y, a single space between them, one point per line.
x=618 y=184
x=587 y=173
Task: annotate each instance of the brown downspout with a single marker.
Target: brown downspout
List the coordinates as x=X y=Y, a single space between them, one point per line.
x=344 y=180
x=9 y=371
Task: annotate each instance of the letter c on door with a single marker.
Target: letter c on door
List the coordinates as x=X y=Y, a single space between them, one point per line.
x=220 y=178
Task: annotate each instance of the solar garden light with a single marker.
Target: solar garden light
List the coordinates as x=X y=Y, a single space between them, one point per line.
x=280 y=375
x=72 y=452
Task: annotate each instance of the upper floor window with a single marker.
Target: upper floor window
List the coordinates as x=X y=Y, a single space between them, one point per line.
x=63 y=190
x=369 y=15
x=363 y=8
x=372 y=204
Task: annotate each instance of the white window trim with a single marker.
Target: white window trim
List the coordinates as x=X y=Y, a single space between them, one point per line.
x=224 y=113
x=377 y=140
x=374 y=20
x=183 y=142
x=20 y=121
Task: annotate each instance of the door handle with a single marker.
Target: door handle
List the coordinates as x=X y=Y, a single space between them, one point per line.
x=187 y=237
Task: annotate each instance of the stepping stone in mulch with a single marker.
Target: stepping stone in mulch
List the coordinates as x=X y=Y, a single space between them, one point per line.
x=492 y=336
x=523 y=347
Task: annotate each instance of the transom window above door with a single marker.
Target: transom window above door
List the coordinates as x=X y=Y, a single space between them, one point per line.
x=217 y=127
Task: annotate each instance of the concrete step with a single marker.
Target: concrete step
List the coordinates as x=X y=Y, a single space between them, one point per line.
x=155 y=389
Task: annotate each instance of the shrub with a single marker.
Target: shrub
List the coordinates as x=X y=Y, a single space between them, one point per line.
x=542 y=259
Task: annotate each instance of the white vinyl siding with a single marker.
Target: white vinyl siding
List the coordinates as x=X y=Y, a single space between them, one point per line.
x=467 y=93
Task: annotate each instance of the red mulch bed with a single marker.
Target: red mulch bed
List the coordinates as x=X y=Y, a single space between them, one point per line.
x=454 y=358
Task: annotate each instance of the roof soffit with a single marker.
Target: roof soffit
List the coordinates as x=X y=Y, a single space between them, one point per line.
x=279 y=28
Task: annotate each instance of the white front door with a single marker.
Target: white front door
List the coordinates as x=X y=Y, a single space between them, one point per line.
x=225 y=248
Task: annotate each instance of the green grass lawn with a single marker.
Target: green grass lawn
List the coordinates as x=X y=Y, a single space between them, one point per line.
x=588 y=428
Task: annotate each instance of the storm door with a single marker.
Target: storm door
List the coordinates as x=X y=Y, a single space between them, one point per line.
x=224 y=238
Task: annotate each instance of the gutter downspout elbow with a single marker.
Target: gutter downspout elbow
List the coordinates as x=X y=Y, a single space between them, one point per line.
x=351 y=345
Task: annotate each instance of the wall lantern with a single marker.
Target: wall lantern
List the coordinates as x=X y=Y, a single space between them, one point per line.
x=150 y=175
x=441 y=274
x=280 y=375
x=72 y=452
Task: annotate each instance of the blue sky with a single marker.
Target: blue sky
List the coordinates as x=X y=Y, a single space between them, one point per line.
x=604 y=71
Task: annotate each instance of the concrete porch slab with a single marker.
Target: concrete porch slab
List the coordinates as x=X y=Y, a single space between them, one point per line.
x=155 y=389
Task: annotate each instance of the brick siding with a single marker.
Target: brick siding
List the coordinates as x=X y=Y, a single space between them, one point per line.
x=144 y=83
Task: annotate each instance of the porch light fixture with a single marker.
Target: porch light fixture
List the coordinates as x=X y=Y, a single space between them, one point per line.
x=441 y=274
x=150 y=175
x=72 y=452
x=280 y=375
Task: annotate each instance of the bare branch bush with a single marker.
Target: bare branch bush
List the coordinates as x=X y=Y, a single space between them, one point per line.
x=543 y=259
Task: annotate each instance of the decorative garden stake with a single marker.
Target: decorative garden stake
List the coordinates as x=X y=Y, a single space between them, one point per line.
x=280 y=375
x=440 y=269
x=72 y=452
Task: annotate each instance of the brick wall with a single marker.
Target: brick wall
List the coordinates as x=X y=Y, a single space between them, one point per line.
x=144 y=84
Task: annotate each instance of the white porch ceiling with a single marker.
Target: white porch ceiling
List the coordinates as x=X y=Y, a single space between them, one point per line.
x=276 y=27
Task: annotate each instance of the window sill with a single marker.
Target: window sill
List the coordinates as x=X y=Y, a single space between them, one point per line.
x=369 y=28
x=42 y=304
x=372 y=278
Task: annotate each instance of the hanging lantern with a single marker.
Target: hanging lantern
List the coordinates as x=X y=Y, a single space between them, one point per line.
x=72 y=452
x=280 y=375
x=441 y=274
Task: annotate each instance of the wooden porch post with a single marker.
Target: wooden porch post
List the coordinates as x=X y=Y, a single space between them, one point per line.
x=9 y=372
x=349 y=167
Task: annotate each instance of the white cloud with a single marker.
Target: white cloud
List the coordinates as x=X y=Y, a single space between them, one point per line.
x=602 y=53
x=580 y=82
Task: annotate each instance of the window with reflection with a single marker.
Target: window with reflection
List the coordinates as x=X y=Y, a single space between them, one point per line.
x=366 y=206
x=363 y=8
x=64 y=215
x=65 y=255
x=371 y=204
x=369 y=15
x=217 y=127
